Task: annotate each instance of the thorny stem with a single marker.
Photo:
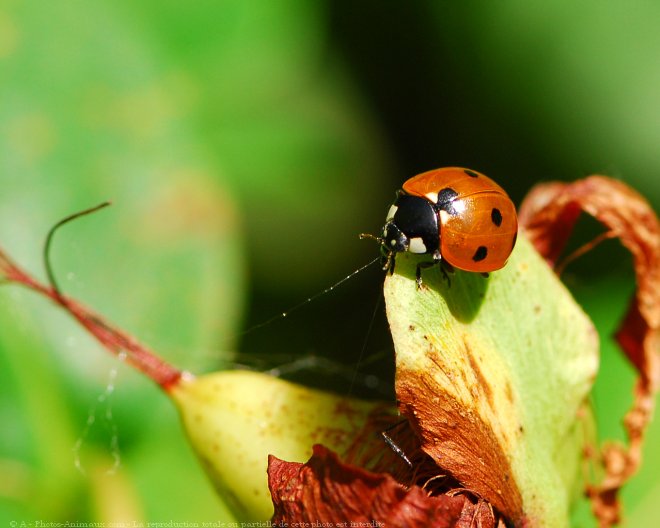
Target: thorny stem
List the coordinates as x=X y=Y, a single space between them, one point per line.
x=114 y=339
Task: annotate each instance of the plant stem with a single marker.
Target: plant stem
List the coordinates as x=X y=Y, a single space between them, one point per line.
x=114 y=339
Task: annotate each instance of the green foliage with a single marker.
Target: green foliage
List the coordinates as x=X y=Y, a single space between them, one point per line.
x=240 y=139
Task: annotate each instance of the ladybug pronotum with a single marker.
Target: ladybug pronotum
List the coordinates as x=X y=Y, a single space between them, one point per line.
x=457 y=215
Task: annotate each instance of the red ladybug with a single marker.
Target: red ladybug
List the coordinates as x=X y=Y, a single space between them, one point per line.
x=458 y=215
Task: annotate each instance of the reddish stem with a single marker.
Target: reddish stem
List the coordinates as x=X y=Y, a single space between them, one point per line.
x=113 y=339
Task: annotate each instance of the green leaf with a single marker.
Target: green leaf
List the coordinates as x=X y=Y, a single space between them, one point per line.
x=495 y=373
x=236 y=419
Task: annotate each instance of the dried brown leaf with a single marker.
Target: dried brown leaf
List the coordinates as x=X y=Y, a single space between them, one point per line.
x=548 y=216
x=332 y=493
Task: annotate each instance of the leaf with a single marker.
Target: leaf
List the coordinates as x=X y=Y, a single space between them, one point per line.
x=549 y=214
x=494 y=375
x=236 y=419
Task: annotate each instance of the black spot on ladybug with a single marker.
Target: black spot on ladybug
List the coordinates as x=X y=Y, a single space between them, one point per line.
x=470 y=173
x=496 y=216
x=480 y=254
x=445 y=198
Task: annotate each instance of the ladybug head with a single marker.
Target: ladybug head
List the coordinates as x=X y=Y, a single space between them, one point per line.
x=411 y=225
x=393 y=239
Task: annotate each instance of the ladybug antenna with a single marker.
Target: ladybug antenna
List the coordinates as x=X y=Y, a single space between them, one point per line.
x=387 y=256
x=378 y=239
x=49 y=239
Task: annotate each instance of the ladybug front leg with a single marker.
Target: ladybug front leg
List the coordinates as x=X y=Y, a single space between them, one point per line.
x=418 y=272
x=437 y=259
x=445 y=267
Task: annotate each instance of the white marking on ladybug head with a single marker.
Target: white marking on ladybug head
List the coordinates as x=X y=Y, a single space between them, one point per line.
x=391 y=212
x=417 y=245
x=432 y=196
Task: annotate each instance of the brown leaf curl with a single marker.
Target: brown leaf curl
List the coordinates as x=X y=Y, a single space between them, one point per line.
x=548 y=216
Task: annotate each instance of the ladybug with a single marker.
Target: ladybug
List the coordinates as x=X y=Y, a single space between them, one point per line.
x=459 y=216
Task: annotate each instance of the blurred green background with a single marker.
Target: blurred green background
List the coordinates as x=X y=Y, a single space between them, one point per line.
x=245 y=144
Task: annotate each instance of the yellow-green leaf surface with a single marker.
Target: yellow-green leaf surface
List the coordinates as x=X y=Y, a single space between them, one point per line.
x=495 y=373
x=235 y=419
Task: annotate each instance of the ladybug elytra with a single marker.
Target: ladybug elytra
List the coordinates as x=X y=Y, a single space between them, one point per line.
x=457 y=215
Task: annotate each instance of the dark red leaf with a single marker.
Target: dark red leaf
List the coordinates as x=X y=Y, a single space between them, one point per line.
x=328 y=492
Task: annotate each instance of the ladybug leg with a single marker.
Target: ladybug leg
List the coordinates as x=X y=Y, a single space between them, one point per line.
x=485 y=274
x=389 y=265
x=446 y=268
x=418 y=272
x=388 y=261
